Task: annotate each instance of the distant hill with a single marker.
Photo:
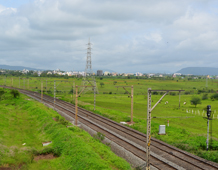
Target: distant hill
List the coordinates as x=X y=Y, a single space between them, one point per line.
x=199 y=71
x=17 y=67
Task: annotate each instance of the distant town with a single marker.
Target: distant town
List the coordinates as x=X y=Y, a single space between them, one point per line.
x=101 y=73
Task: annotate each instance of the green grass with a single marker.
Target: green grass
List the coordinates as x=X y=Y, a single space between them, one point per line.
x=24 y=120
x=117 y=105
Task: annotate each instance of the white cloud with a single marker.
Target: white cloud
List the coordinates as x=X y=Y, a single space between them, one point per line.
x=126 y=35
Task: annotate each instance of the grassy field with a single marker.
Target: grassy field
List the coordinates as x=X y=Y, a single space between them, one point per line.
x=187 y=127
x=26 y=123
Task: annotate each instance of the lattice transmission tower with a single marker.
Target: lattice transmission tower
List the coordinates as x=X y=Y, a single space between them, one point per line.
x=89 y=79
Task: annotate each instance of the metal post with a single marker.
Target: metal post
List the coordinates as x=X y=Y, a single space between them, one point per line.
x=11 y=82
x=54 y=93
x=5 y=80
x=76 y=111
x=94 y=93
x=46 y=85
x=148 y=135
x=179 y=99
x=28 y=83
x=207 y=132
x=23 y=83
x=206 y=82
x=131 y=104
x=19 y=82
x=41 y=91
x=73 y=90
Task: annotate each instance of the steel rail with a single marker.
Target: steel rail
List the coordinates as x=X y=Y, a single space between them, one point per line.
x=144 y=136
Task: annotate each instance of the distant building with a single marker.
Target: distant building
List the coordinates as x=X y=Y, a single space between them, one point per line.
x=178 y=74
x=106 y=73
x=138 y=74
x=150 y=75
x=99 y=72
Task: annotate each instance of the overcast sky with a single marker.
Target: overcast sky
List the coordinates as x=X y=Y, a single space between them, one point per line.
x=126 y=35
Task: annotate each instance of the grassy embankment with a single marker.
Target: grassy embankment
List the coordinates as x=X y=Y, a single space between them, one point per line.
x=24 y=120
x=187 y=132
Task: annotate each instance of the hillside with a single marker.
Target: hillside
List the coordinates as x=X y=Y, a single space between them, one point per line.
x=7 y=67
x=199 y=70
x=25 y=124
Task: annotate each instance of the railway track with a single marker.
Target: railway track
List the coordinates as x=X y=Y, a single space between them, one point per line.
x=163 y=156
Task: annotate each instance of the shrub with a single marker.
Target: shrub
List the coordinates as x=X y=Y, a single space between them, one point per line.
x=15 y=93
x=2 y=92
x=214 y=96
x=201 y=91
x=172 y=93
x=71 y=91
x=205 y=97
x=187 y=92
x=155 y=93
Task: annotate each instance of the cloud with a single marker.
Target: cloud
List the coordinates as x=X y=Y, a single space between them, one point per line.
x=126 y=36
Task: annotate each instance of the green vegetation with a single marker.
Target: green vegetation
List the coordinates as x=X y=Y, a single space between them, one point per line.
x=195 y=100
x=25 y=124
x=187 y=128
x=15 y=93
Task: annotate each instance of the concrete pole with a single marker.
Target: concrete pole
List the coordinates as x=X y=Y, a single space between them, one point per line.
x=148 y=133
x=76 y=111
x=73 y=90
x=23 y=83
x=179 y=99
x=46 y=85
x=131 y=104
x=41 y=91
x=207 y=133
x=94 y=94
x=54 y=93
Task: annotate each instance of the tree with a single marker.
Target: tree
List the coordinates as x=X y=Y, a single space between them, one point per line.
x=195 y=100
x=102 y=84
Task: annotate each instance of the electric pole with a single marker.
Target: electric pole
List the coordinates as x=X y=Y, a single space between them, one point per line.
x=148 y=133
x=54 y=93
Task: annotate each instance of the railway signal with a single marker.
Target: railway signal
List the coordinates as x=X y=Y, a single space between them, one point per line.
x=208 y=119
x=149 y=109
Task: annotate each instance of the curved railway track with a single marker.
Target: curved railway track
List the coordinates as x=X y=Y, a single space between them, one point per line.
x=163 y=156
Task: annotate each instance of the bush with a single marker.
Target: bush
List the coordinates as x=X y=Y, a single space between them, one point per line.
x=172 y=93
x=15 y=93
x=187 y=92
x=214 y=96
x=2 y=92
x=205 y=97
x=155 y=93
x=71 y=91
x=201 y=91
